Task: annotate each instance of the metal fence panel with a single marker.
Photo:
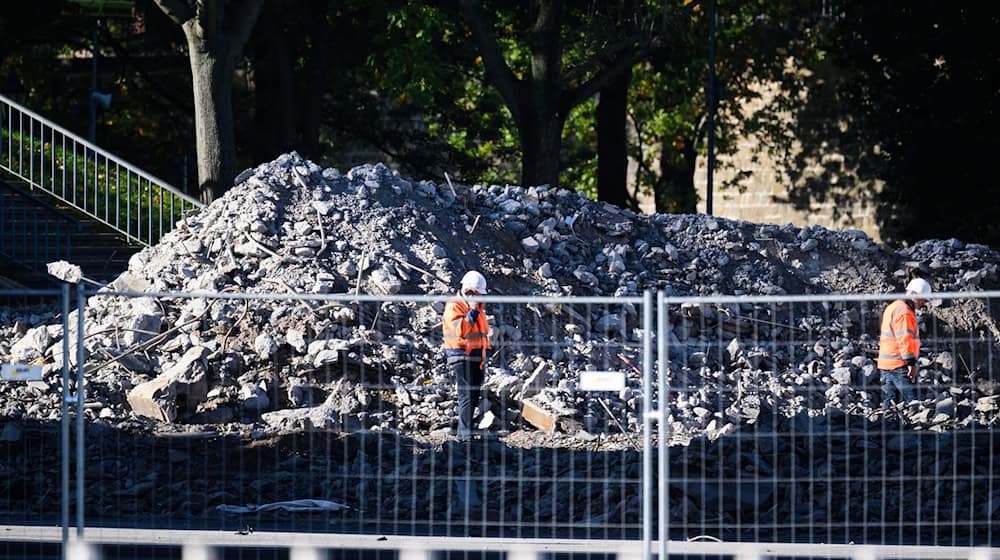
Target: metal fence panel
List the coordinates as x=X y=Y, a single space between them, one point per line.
x=34 y=445
x=774 y=429
x=31 y=233
x=335 y=414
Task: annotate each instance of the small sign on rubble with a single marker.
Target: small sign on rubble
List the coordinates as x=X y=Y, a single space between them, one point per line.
x=20 y=372
x=602 y=381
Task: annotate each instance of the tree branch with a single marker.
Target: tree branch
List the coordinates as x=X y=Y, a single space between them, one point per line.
x=177 y=10
x=172 y=102
x=497 y=70
x=608 y=74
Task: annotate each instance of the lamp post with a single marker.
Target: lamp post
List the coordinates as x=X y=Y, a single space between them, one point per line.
x=711 y=107
x=92 y=101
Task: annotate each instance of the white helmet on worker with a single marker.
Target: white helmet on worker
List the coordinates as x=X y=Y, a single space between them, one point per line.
x=474 y=281
x=920 y=287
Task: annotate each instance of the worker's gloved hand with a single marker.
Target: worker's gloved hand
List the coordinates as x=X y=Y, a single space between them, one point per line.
x=473 y=315
x=912 y=372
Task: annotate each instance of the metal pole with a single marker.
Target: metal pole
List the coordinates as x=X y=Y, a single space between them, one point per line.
x=65 y=419
x=647 y=446
x=81 y=300
x=91 y=101
x=662 y=401
x=711 y=107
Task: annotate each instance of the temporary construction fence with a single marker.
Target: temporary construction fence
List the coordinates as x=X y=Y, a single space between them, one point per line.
x=35 y=457
x=774 y=428
x=761 y=420
x=350 y=428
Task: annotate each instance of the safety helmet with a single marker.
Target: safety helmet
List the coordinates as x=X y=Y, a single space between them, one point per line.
x=475 y=281
x=920 y=287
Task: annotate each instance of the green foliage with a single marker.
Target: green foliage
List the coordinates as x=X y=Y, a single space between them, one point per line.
x=140 y=208
x=427 y=73
x=902 y=92
x=579 y=150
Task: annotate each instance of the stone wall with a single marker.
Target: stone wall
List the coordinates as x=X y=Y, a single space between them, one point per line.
x=765 y=198
x=767 y=183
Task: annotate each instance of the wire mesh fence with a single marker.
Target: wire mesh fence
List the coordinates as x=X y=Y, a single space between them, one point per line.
x=338 y=413
x=763 y=420
x=779 y=426
x=34 y=439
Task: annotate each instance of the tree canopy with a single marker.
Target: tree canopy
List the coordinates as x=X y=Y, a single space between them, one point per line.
x=542 y=91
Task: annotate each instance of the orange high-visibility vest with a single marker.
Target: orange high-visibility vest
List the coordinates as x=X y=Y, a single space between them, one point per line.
x=899 y=341
x=460 y=334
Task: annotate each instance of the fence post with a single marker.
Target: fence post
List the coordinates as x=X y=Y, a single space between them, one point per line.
x=647 y=424
x=81 y=301
x=663 y=403
x=64 y=419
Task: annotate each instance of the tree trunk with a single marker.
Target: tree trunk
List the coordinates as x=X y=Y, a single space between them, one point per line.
x=212 y=76
x=214 y=41
x=542 y=115
x=275 y=116
x=612 y=157
x=317 y=69
x=541 y=140
x=674 y=191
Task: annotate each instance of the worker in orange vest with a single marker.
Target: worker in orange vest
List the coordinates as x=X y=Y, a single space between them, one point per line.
x=466 y=344
x=899 y=343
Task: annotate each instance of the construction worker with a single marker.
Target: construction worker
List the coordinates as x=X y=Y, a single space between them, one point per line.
x=899 y=343
x=466 y=344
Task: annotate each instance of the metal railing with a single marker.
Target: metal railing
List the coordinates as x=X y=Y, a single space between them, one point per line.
x=79 y=174
x=33 y=233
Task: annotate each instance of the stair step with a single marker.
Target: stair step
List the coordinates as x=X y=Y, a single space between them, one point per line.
x=28 y=216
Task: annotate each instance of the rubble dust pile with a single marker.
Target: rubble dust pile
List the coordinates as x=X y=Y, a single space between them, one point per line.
x=290 y=226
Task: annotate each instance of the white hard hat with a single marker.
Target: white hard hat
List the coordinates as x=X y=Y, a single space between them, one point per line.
x=919 y=286
x=474 y=280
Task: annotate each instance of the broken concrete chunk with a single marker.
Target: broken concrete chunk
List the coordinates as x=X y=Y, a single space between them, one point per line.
x=265 y=346
x=385 y=281
x=167 y=397
x=31 y=346
x=535 y=383
x=296 y=339
x=65 y=271
x=539 y=416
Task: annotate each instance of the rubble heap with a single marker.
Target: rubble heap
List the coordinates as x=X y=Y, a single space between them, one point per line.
x=290 y=226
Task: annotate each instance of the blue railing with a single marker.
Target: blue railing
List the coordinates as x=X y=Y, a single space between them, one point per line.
x=33 y=233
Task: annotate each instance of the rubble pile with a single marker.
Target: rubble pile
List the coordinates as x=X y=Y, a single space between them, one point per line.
x=290 y=226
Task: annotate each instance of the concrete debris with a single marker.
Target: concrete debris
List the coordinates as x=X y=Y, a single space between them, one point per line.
x=290 y=226
x=539 y=416
x=65 y=271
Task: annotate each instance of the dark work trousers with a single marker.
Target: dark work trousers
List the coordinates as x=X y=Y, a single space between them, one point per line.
x=469 y=377
x=896 y=380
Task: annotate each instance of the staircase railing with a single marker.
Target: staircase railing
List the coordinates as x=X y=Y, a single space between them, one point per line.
x=33 y=233
x=50 y=158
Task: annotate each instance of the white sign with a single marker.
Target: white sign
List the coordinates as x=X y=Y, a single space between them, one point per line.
x=602 y=381
x=21 y=372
